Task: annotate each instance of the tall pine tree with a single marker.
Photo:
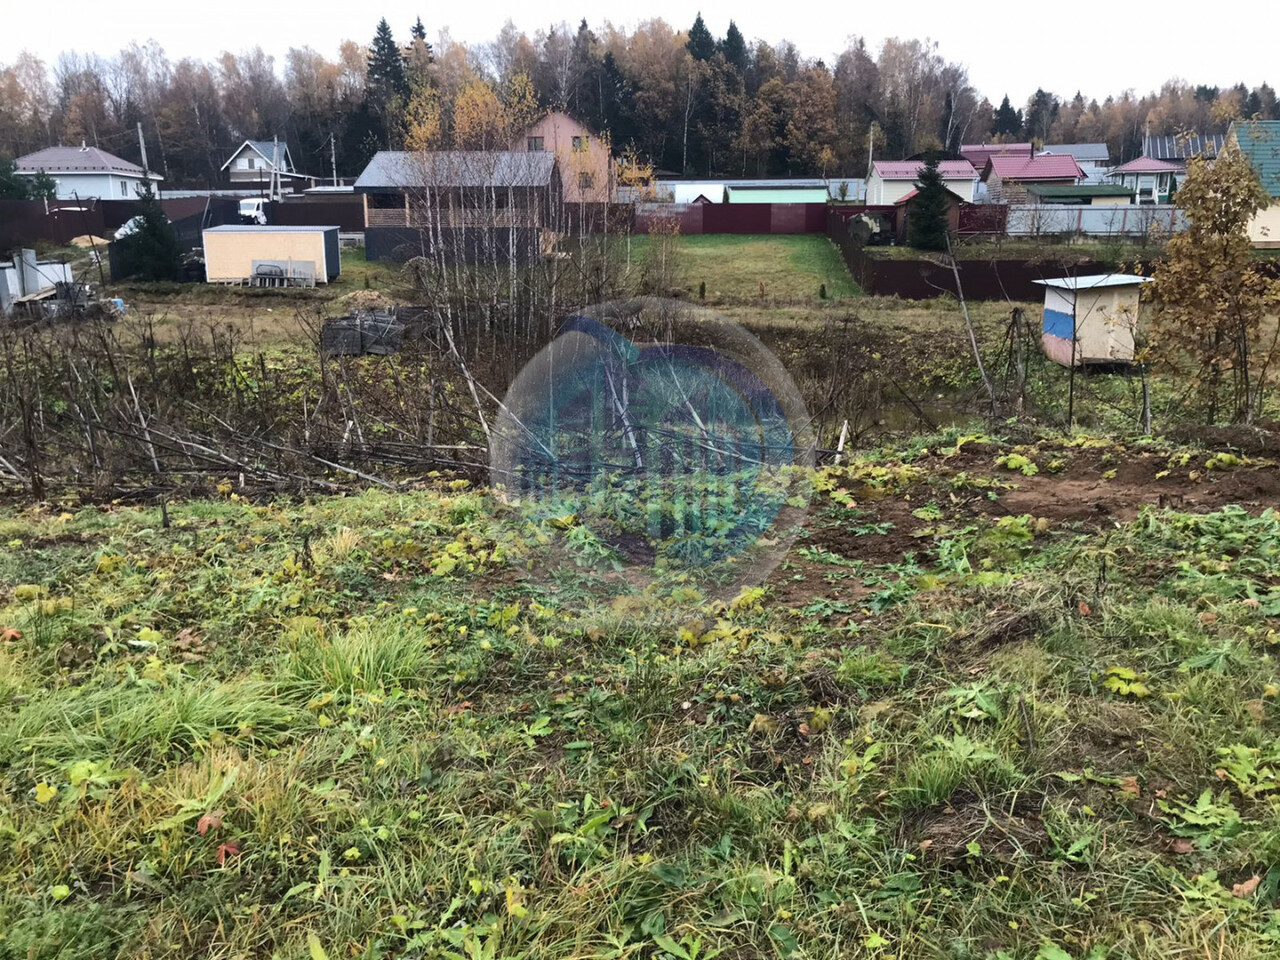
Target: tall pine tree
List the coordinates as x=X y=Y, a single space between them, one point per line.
x=927 y=210
x=701 y=45
x=734 y=48
x=418 y=31
x=386 y=83
x=384 y=75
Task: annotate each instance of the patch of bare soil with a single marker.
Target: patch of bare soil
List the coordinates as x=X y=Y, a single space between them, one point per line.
x=943 y=835
x=1085 y=487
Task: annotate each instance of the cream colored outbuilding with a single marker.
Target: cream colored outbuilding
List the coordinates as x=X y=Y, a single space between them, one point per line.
x=231 y=251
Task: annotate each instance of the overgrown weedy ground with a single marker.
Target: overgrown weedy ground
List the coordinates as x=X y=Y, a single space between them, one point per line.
x=998 y=702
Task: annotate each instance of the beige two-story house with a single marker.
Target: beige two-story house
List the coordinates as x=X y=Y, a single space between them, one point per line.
x=583 y=159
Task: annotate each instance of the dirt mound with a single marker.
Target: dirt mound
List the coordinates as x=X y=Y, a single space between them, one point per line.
x=87 y=240
x=364 y=300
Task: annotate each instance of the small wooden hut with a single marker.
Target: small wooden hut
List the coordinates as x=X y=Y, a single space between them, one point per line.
x=1091 y=320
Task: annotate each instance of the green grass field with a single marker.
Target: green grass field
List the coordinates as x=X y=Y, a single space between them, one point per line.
x=996 y=704
x=759 y=267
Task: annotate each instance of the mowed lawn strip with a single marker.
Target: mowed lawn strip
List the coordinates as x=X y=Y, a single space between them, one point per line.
x=735 y=266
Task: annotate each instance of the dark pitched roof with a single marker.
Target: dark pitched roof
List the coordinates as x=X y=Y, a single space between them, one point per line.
x=1259 y=141
x=394 y=169
x=75 y=160
x=1183 y=146
x=266 y=150
x=1081 y=151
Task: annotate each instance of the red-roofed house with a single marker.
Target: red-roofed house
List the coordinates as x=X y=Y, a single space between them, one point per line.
x=1150 y=179
x=891 y=180
x=1007 y=177
x=979 y=153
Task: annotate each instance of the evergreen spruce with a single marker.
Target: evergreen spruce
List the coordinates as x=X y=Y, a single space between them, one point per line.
x=12 y=186
x=385 y=77
x=42 y=187
x=1007 y=121
x=927 y=214
x=418 y=32
x=151 y=252
x=701 y=45
x=734 y=48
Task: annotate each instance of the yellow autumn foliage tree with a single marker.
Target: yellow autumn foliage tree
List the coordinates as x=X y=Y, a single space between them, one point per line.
x=1211 y=296
x=423 y=121
x=479 y=118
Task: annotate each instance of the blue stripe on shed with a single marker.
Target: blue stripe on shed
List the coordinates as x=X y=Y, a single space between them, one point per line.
x=1059 y=324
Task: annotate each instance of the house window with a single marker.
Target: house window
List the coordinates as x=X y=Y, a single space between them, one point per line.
x=124 y=188
x=249 y=162
x=586 y=181
x=580 y=143
x=535 y=144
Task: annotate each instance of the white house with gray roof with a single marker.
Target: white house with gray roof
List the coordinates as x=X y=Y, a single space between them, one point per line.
x=254 y=161
x=85 y=173
x=1094 y=159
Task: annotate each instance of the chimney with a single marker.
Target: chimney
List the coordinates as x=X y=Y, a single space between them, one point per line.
x=83 y=148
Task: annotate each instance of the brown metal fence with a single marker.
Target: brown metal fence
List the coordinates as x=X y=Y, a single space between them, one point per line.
x=922 y=278
x=757 y=218
x=346 y=215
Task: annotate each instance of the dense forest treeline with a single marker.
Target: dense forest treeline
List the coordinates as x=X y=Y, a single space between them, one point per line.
x=684 y=99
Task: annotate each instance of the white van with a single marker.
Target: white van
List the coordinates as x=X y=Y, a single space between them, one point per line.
x=253 y=211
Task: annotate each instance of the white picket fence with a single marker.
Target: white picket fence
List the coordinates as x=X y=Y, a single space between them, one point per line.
x=1129 y=220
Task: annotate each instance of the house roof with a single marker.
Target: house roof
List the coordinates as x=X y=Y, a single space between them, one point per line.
x=776 y=194
x=979 y=153
x=1183 y=146
x=1147 y=165
x=905 y=198
x=1043 y=167
x=264 y=149
x=1259 y=141
x=1063 y=191
x=1089 y=283
x=910 y=169
x=73 y=160
x=264 y=229
x=396 y=169
x=1094 y=152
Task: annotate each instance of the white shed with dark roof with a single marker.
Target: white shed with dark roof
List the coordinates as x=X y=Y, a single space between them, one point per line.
x=86 y=172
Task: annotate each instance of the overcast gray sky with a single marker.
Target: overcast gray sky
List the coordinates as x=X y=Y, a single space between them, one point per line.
x=1008 y=46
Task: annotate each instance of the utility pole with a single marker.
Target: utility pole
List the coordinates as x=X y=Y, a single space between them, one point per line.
x=333 y=158
x=275 y=167
x=142 y=146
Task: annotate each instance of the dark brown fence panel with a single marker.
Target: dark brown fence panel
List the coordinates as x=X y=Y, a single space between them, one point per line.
x=346 y=215
x=26 y=222
x=983 y=219
x=752 y=218
x=923 y=279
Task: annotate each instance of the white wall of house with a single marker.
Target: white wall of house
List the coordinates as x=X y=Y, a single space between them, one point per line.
x=1264 y=228
x=882 y=192
x=104 y=186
